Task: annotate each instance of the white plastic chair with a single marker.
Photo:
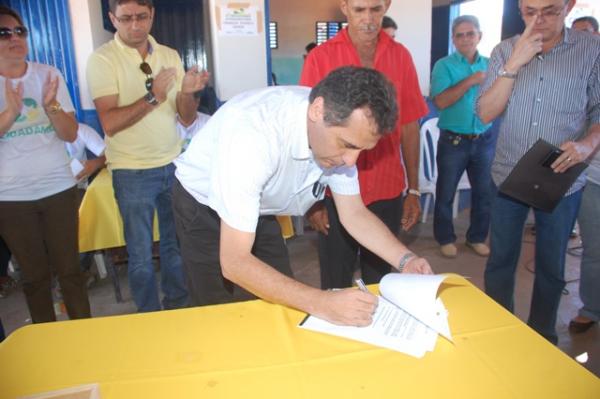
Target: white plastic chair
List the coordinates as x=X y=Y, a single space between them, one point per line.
x=430 y=134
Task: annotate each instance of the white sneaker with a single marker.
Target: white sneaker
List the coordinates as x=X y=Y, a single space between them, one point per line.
x=449 y=250
x=479 y=248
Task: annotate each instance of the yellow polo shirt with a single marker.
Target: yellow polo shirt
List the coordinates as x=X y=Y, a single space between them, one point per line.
x=114 y=68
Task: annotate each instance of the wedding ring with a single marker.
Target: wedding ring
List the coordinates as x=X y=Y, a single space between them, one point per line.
x=568 y=159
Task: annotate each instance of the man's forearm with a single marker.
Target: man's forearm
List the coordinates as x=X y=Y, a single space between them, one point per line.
x=187 y=105
x=117 y=119
x=368 y=230
x=452 y=94
x=410 y=145
x=592 y=139
x=493 y=102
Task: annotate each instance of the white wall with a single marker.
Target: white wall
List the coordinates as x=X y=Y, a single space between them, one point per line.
x=414 y=31
x=88 y=34
x=240 y=61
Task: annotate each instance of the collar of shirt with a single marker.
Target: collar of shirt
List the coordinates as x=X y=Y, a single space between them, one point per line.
x=383 y=41
x=152 y=43
x=464 y=59
x=300 y=145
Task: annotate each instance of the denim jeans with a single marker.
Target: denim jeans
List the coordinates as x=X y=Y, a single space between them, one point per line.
x=589 y=225
x=508 y=218
x=139 y=192
x=474 y=156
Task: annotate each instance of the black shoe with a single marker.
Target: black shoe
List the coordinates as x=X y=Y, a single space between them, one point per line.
x=578 y=327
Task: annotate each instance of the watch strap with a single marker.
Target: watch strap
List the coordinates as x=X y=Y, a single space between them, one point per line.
x=150 y=99
x=404 y=260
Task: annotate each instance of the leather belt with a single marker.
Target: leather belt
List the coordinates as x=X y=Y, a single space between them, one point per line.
x=461 y=135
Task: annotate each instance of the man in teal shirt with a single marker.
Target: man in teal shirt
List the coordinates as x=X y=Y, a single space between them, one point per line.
x=465 y=142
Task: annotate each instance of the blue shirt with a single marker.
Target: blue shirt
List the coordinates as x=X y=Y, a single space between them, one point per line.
x=460 y=117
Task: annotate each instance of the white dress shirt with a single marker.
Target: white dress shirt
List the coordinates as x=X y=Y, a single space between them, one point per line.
x=253 y=158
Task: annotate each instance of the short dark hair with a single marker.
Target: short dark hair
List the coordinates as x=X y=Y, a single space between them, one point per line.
x=349 y=88
x=590 y=20
x=388 y=22
x=11 y=13
x=112 y=4
x=310 y=46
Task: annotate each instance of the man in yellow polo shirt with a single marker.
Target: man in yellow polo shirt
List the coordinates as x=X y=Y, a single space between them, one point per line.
x=138 y=87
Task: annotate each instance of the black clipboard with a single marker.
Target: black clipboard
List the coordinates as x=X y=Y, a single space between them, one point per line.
x=533 y=182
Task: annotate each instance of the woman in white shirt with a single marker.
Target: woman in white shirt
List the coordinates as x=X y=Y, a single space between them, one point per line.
x=38 y=195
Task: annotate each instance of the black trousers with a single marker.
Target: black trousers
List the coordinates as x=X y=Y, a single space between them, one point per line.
x=338 y=251
x=198 y=230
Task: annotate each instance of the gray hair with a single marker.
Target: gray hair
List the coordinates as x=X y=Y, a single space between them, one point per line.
x=470 y=19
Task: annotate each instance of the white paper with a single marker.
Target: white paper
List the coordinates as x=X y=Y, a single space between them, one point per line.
x=76 y=166
x=408 y=318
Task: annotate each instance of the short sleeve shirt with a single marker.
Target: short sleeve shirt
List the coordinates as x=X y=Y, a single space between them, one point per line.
x=114 y=68
x=381 y=173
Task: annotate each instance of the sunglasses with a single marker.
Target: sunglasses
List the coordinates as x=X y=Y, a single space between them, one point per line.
x=145 y=67
x=7 y=33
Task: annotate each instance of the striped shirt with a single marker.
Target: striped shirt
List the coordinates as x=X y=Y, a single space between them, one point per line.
x=553 y=97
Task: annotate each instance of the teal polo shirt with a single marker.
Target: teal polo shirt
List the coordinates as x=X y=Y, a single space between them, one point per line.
x=461 y=116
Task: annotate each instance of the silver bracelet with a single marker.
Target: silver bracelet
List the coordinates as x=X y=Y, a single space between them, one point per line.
x=404 y=260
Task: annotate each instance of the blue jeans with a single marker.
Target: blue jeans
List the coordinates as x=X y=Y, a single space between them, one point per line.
x=139 y=192
x=589 y=224
x=474 y=156
x=508 y=218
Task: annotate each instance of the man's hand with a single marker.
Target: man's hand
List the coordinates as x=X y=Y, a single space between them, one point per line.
x=14 y=98
x=527 y=46
x=348 y=307
x=573 y=153
x=318 y=218
x=91 y=166
x=477 y=78
x=417 y=265
x=163 y=82
x=194 y=80
x=49 y=90
x=411 y=211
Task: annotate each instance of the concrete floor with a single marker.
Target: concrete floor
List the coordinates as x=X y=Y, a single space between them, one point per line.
x=303 y=254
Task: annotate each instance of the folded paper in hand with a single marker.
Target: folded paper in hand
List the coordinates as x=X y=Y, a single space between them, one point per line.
x=408 y=318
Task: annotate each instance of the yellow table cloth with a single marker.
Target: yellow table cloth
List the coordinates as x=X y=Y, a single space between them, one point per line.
x=100 y=224
x=255 y=350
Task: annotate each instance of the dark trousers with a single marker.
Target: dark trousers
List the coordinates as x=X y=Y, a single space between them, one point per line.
x=338 y=251
x=198 y=230
x=4 y=258
x=42 y=234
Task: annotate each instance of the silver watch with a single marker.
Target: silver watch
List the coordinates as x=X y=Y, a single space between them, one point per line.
x=503 y=73
x=404 y=260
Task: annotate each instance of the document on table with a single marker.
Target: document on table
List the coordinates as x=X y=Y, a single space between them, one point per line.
x=408 y=318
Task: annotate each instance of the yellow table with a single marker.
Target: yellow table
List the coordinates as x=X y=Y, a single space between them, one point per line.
x=100 y=224
x=255 y=350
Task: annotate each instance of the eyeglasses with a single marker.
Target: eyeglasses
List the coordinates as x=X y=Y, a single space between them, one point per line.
x=145 y=67
x=547 y=13
x=461 y=35
x=127 y=19
x=7 y=33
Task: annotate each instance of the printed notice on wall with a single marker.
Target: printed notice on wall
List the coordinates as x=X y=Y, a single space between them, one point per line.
x=239 y=19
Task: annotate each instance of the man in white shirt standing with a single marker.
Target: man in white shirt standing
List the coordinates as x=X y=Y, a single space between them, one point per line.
x=272 y=152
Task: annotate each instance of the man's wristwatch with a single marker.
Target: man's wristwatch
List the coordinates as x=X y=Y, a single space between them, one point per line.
x=503 y=73
x=404 y=260
x=150 y=99
x=53 y=108
x=414 y=192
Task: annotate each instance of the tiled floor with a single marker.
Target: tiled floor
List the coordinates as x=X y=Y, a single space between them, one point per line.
x=305 y=264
